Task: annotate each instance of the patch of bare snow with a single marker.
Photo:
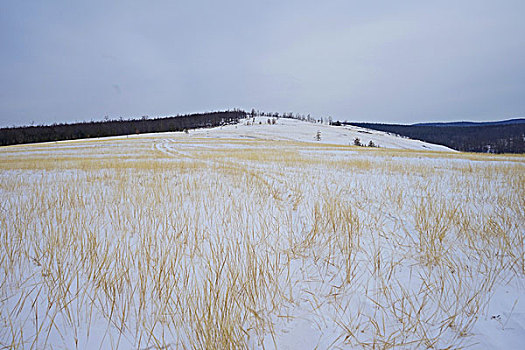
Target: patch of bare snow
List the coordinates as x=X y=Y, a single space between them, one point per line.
x=302 y=131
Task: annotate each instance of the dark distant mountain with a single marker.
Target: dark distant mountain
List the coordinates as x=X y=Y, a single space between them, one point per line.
x=506 y=136
x=501 y=122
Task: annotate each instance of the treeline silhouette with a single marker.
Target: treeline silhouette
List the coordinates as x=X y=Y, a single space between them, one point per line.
x=58 y=132
x=489 y=137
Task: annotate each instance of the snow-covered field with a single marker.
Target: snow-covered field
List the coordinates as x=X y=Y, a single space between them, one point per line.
x=259 y=236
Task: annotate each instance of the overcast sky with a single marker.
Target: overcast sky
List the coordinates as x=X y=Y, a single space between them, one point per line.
x=378 y=61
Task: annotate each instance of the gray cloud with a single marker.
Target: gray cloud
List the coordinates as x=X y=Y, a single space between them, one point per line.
x=402 y=62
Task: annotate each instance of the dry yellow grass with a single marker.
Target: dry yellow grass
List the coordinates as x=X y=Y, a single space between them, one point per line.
x=208 y=243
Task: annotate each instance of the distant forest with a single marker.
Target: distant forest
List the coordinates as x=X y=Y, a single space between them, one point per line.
x=498 y=137
x=57 y=132
x=492 y=137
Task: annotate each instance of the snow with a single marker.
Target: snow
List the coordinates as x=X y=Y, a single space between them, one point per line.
x=296 y=130
x=261 y=233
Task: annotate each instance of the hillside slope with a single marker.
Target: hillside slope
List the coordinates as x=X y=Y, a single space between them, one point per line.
x=489 y=137
x=296 y=130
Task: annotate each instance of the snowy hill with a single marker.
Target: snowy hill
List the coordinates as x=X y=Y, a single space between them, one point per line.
x=297 y=130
